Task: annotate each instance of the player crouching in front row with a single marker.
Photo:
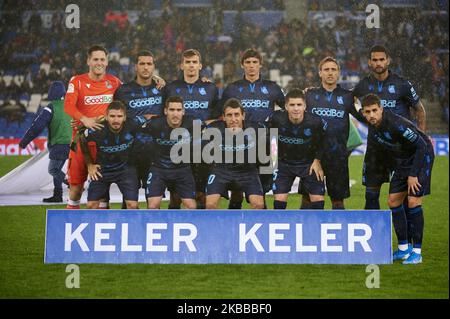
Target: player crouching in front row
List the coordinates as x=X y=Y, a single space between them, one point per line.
x=239 y=140
x=113 y=146
x=413 y=156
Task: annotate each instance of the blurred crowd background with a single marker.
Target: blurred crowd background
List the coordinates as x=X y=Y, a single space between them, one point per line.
x=37 y=47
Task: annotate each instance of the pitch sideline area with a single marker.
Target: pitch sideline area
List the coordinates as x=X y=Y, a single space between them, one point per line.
x=24 y=275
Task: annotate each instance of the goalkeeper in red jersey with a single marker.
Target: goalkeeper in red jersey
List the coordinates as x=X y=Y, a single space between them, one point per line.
x=88 y=95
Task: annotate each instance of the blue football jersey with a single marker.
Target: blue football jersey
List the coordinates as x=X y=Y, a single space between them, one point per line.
x=396 y=94
x=409 y=147
x=139 y=99
x=257 y=98
x=200 y=99
x=333 y=107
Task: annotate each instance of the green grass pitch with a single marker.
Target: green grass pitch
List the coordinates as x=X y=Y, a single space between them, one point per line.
x=24 y=275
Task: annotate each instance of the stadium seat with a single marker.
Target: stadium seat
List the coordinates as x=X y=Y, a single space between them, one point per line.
x=44 y=100
x=46 y=67
x=218 y=70
x=35 y=101
x=18 y=79
x=114 y=56
x=274 y=75
x=7 y=79
x=124 y=61
x=285 y=79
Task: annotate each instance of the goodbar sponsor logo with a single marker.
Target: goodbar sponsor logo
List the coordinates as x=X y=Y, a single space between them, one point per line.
x=145 y=102
x=324 y=111
x=255 y=104
x=98 y=99
x=196 y=104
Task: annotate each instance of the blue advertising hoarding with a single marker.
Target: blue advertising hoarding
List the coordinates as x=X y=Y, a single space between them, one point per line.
x=218 y=236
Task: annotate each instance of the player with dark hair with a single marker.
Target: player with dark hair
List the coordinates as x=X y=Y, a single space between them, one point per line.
x=333 y=104
x=398 y=95
x=201 y=103
x=258 y=97
x=300 y=150
x=412 y=161
x=239 y=139
x=164 y=172
x=113 y=144
x=142 y=96
x=88 y=95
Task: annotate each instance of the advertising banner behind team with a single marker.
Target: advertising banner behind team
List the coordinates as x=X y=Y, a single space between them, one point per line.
x=219 y=236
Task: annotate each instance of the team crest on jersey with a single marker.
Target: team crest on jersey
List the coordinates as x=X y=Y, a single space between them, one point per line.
x=340 y=100
x=264 y=90
x=202 y=91
x=307 y=132
x=240 y=89
x=177 y=90
x=370 y=87
x=71 y=88
x=108 y=85
x=155 y=91
x=317 y=97
x=391 y=88
x=387 y=135
x=88 y=85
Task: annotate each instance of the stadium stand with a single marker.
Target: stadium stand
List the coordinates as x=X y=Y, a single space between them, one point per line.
x=37 y=48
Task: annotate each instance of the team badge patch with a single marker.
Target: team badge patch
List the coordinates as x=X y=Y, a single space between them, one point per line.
x=108 y=85
x=240 y=89
x=202 y=91
x=340 y=100
x=264 y=90
x=391 y=88
x=155 y=91
x=370 y=87
x=71 y=88
x=177 y=90
x=387 y=135
x=307 y=132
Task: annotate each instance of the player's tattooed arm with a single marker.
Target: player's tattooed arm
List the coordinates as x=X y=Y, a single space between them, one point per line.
x=421 y=116
x=93 y=169
x=160 y=82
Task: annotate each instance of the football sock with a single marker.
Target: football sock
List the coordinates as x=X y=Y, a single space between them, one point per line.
x=235 y=205
x=278 y=204
x=372 y=199
x=415 y=215
x=338 y=206
x=408 y=220
x=400 y=225
x=318 y=205
x=73 y=204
